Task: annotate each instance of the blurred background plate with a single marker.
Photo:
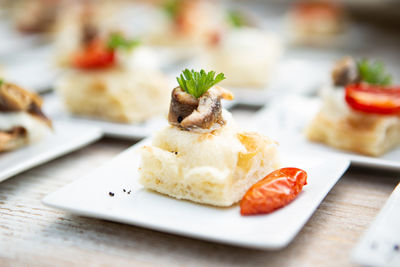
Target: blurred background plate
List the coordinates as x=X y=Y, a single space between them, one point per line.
x=32 y=69
x=66 y=138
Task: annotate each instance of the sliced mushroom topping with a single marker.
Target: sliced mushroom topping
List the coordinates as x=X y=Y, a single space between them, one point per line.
x=182 y=105
x=345 y=72
x=13 y=138
x=89 y=32
x=188 y=113
x=14 y=98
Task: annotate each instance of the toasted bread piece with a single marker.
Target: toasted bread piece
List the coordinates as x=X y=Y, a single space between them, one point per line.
x=115 y=94
x=215 y=168
x=367 y=134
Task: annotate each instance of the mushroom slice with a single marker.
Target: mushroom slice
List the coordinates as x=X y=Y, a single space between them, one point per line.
x=13 y=98
x=182 y=105
x=189 y=113
x=13 y=138
x=345 y=72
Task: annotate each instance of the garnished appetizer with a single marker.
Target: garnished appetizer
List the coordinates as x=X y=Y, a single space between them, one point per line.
x=316 y=22
x=187 y=23
x=202 y=156
x=243 y=51
x=80 y=24
x=248 y=55
x=21 y=119
x=37 y=16
x=110 y=79
x=361 y=109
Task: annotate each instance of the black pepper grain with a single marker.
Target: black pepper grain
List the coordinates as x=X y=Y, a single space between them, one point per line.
x=396 y=247
x=180 y=119
x=124 y=190
x=111 y=194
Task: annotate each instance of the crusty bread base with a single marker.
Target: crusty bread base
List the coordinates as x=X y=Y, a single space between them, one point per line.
x=367 y=134
x=214 y=168
x=115 y=94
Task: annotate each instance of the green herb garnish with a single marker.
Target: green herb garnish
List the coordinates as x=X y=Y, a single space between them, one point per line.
x=117 y=40
x=1 y=82
x=197 y=83
x=373 y=72
x=236 y=19
x=171 y=7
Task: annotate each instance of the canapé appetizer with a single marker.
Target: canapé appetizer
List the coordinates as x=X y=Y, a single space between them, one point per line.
x=248 y=55
x=21 y=118
x=316 y=22
x=79 y=24
x=202 y=155
x=37 y=16
x=182 y=23
x=361 y=110
x=243 y=51
x=110 y=79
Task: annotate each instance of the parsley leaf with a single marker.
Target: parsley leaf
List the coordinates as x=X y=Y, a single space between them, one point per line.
x=117 y=40
x=1 y=82
x=373 y=72
x=197 y=83
x=171 y=7
x=236 y=19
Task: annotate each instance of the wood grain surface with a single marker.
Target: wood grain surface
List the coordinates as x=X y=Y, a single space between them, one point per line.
x=34 y=235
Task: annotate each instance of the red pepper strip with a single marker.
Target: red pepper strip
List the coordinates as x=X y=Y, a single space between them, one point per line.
x=96 y=55
x=274 y=191
x=373 y=98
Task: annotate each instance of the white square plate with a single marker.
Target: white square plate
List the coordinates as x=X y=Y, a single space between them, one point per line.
x=66 y=138
x=131 y=131
x=37 y=68
x=225 y=225
x=286 y=119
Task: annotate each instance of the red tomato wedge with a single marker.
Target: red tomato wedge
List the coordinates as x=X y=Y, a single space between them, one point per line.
x=276 y=190
x=373 y=98
x=96 y=55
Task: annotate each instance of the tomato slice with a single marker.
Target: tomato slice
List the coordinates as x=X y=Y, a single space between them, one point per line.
x=373 y=98
x=274 y=191
x=94 y=56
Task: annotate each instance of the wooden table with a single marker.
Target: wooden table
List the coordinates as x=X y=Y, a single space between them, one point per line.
x=33 y=234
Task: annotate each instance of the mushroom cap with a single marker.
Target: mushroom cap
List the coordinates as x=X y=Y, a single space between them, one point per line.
x=188 y=112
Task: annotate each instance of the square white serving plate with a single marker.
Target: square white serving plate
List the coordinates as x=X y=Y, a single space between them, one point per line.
x=66 y=138
x=14 y=41
x=131 y=131
x=33 y=69
x=286 y=118
x=148 y=209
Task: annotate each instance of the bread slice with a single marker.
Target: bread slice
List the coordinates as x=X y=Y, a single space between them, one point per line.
x=115 y=94
x=340 y=127
x=215 y=168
